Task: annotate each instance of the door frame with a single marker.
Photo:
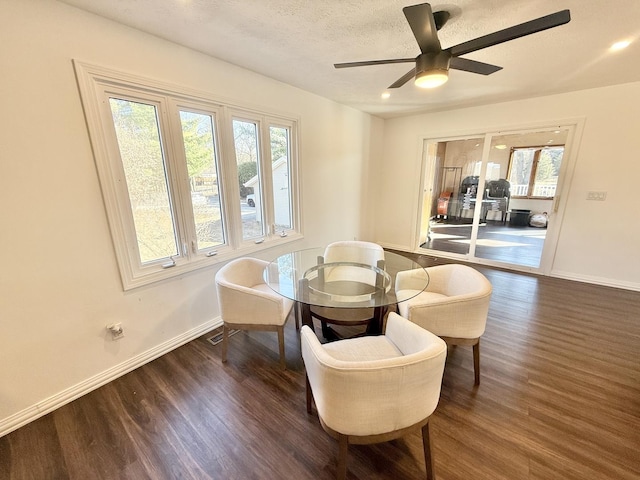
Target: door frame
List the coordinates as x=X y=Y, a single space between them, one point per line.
x=574 y=127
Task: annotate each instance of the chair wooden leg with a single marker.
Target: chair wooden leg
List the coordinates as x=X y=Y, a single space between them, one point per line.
x=309 y=394
x=343 y=448
x=225 y=342
x=326 y=333
x=426 y=444
x=296 y=314
x=283 y=363
x=476 y=361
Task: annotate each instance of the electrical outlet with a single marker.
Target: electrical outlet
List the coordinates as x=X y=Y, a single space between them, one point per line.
x=599 y=196
x=117 y=332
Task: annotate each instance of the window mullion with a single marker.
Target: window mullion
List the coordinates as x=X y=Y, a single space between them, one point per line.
x=292 y=152
x=532 y=175
x=265 y=178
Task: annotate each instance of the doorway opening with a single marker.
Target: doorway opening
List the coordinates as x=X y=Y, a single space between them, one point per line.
x=491 y=198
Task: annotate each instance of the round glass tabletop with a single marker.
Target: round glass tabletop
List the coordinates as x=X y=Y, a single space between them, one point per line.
x=305 y=277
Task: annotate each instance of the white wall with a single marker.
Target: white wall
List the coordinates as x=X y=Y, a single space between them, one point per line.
x=59 y=279
x=598 y=241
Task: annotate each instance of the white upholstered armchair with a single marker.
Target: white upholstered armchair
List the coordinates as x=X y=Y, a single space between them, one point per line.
x=247 y=303
x=454 y=305
x=376 y=388
x=366 y=253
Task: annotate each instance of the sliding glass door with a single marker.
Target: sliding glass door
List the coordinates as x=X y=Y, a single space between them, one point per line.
x=453 y=188
x=491 y=198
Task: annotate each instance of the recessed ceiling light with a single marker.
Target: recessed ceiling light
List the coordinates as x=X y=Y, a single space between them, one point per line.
x=501 y=146
x=385 y=95
x=620 y=45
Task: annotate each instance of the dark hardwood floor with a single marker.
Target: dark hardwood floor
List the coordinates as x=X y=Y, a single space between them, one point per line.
x=559 y=399
x=502 y=242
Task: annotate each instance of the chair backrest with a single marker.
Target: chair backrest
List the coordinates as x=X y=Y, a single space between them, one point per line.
x=366 y=253
x=499 y=189
x=244 y=272
x=244 y=297
x=455 y=279
x=371 y=397
x=461 y=304
x=354 y=251
x=469 y=185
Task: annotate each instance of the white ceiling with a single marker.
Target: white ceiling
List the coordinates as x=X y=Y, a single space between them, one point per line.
x=298 y=41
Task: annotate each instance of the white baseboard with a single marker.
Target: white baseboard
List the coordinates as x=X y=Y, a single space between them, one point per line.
x=605 y=282
x=50 y=404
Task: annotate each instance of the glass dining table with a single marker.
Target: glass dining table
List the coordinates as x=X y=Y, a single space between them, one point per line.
x=304 y=276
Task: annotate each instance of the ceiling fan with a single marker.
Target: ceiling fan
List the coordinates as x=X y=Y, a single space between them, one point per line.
x=432 y=65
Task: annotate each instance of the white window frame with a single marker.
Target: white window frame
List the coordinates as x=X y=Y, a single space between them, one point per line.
x=97 y=85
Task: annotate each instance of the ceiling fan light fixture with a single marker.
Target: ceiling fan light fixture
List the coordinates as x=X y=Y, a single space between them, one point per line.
x=431 y=79
x=432 y=69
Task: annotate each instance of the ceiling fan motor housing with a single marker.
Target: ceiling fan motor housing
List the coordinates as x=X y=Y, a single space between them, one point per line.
x=430 y=61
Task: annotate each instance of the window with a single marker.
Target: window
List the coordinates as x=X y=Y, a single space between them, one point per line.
x=280 y=154
x=533 y=171
x=186 y=180
x=245 y=139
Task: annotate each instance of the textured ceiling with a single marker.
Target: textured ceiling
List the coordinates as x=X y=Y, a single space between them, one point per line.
x=298 y=41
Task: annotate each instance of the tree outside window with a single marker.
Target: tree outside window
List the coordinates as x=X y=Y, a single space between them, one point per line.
x=534 y=171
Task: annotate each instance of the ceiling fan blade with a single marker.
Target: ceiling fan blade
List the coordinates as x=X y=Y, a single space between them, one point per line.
x=511 y=33
x=423 y=26
x=473 y=66
x=373 y=62
x=404 y=79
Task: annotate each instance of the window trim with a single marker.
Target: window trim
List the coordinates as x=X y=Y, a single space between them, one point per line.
x=95 y=84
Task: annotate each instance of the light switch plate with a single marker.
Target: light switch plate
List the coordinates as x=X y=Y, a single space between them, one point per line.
x=599 y=196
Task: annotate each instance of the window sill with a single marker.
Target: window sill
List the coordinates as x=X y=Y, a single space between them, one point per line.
x=161 y=274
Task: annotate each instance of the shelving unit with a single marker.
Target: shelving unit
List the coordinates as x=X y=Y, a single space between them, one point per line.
x=449 y=186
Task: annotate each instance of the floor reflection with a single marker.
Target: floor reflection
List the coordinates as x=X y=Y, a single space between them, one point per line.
x=520 y=245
